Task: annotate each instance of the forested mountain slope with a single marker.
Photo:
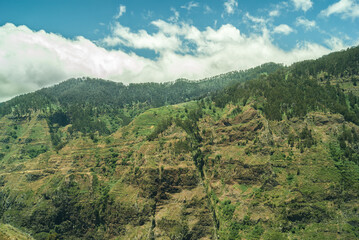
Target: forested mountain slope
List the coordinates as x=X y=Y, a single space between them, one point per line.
x=274 y=157
x=98 y=93
x=95 y=105
x=338 y=68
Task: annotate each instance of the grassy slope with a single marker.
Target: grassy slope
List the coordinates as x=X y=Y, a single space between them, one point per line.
x=8 y=232
x=123 y=167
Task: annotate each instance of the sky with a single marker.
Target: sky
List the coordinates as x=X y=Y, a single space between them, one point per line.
x=44 y=42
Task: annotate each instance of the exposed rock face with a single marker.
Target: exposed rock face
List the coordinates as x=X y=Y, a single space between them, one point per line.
x=321 y=119
x=246 y=116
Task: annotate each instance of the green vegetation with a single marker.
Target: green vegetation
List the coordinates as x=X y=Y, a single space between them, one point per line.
x=95 y=105
x=257 y=154
x=8 y=232
x=282 y=95
x=161 y=127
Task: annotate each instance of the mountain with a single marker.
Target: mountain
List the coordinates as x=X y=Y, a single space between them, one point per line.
x=338 y=68
x=96 y=105
x=271 y=156
x=98 y=93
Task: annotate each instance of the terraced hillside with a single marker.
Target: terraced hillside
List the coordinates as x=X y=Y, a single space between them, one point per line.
x=275 y=157
x=207 y=173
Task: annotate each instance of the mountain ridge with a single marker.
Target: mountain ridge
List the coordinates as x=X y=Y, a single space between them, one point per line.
x=274 y=157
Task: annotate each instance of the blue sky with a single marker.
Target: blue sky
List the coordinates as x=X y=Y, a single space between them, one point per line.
x=44 y=42
x=93 y=18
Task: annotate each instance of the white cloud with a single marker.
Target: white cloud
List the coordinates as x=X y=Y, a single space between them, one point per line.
x=30 y=59
x=190 y=5
x=175 y=16
x=274 y=13
x=230 y=6
x=255 y=19
x=340 y=7
x=335 y=43
x=121 y=11
x=304 y=5
x=207 y=9
x=345 y=8
x=147 y=14
x=158 y=42
x=259 y=24
x=307 y=24
x=283 y=29
x=277 y=10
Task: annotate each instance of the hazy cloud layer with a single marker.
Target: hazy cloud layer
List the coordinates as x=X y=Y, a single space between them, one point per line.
x=30 y=60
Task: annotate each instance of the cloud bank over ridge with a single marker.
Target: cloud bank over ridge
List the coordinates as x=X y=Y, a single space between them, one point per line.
x=31 y=59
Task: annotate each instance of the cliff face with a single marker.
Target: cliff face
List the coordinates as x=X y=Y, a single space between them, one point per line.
x=210 y=173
